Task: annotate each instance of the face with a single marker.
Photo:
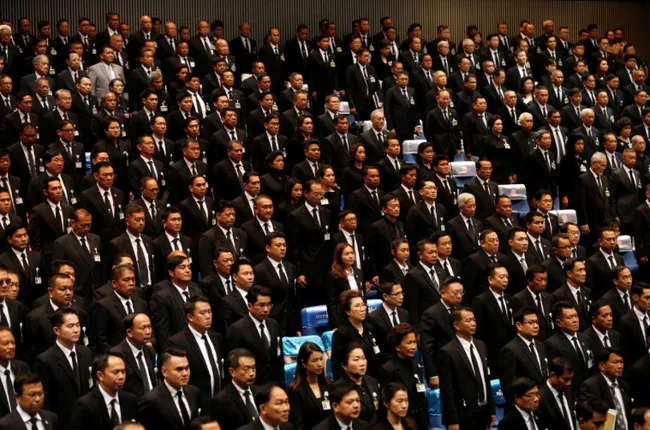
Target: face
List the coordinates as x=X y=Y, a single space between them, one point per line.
x=252 y=187
x=529 y=401
x=499 y=281
x=70 y=330
x=135 y=222
x=568 y=321
x=407 y=346
x=5 y=203
x=276 y=410
x=604 y=318
x=114 y=375
x=176 y=371
x=264 y=208
x=261 y=309
x=504 y=208
x=19 y=240
x=358 y=309
x=356 y=364
x=529 y=328
x=245 y=278
x=392 y=208
x=378 y=121
x=125 y=284
x=429 y=254
x=429 y=191
x=469 y=208
x=642 y=301
x=612 y=367
x=202 y=316
x=81 y=227
x=623 y=280
x=402 y=252
x=608 y=241
x=314 y=195
x=485 y=170
x=348 y=256
x=313 y=151
x=236 y=153
x=7 y=345
x=32 y=397
x=467 y=324
x=296 y=192
x=427 y=154
x=226 y=218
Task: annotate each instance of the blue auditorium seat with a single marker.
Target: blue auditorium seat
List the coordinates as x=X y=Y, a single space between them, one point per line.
x=565 y=215
x=289 y=372
x=435 y=410
x=327 y=341
x=290 y=348
x=518 y=197
x=373 y=304
x=462 y=172
x=410 y=150
x=314 y=319
x=630 y=261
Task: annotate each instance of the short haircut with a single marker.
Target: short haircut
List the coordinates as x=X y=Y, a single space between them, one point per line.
x=257 y=291
x=171 y=352
x=23 y=379
x=340 y=389
x=263 y=393
x=585 y=410
x=521 y=386
x=236 y=354
x=190 y=306
x=238 y=263
x=58 y=317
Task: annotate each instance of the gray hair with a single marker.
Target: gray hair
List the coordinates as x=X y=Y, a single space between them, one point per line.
x=39 y=59
x=524 y=116
x=598 y=157
x=375 y=113
x=61 y=92
x=465 y=198
x=4 y=28
x=443 y=43
x=585 y=112
x=154 y=75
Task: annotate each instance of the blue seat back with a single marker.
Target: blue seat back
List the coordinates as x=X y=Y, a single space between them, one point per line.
x=314 y=319
x=291 y=345
x=630 y=261
x=289 y=372
x=326 y=337
x=565 y=215
x=374 y=304
x=497 y=394
x=434 y=403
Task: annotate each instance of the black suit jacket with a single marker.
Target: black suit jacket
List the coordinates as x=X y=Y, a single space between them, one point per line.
x=524 y=300
x=178 y=175
x=161 y=249
x=224 y=174
x=106 y=226
x=559 y=345
x=200 y=375
x=284 y=301
x=157 y=409
x=420 y=224
x=14 y=421
x=437 y=331
x=228 y=408
x=513 y=420
x=497 y=223
x=255 y=246
x=61 y=390
x=639 y=377
x=632 y=341
x=597 y=387
x=484 y=201
x=30 y=290
x=519 y=361
x=91 y=412
x=464 y=243
x=564 y=294
x=420 y=292
x=194 y=222
x=549 y=411
x=20 y=167
x=122 y=245
x=168 y=311
x=459 y=386
x=108 y=320
x=17 y=367
x=599 y=274
x=592 y=204
x=10 y=127
x=366 y=208
x=375 y=151
x=613 y=336
x=133 y=383
x=537 y=175
x=332 y=424
x=214 y=238
x=619 y=308
x=90 y=274
x=245 y=334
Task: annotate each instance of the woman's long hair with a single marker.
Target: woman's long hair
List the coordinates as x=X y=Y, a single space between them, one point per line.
x=337 y=264
x=305 y=352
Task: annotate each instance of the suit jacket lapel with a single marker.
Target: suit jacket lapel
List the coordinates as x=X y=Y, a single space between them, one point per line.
x=461 y=352
x=65 y=364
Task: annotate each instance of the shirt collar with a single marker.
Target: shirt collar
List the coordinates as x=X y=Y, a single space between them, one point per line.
x=25 y=416
x=640 y=315
x=107 y=398
x=65 y=350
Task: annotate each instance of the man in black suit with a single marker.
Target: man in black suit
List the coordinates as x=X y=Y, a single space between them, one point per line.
x=244 y=49
x=633 y=326
x=13 y=122
x=27 y=264
x=145 y=166
x=169 y=299
x=73 y=152
x=104 y=203
x=7 y=208
x=593 y=199
x=556 y=403
x=27 y=386
x=222 y=234
x=401 y=181
x=495 y=331
x=152 y=206
x=138 y=354
x=38 y=334
x=259 y=334
x=625 y=188
x=271 y=60
x=436 y=327
x=335 y=148
x=12 y=367
x=601 y=332
x=402 y=113
x=449 y=265
x=389 y=314
x=555 y=264
x=136 y=245
x=525 y=397
x=170 y=240
x=321 y=67
x=91 y=410
x=49 y=220
x=234 y=406
x=543 y=202
x=26 y=156
x=502 y=221
x=447 y=187
x=307 y=169
x=245 y=203
x=567 y=342
x=198 y=213
x=539 y=248
x=382 y=233
x=48 y=123
x=219 y=284
x=609 y=386
x=524 y=355
x=366 y=201
x=181 y=171
x=422 y=284
x=539 y=171
x=259 y=227
x=534 y=297
x=229 y=172
x=343 y=397
x=289 y=118
x=476 y=265
x=464 y=228
x=483 y=189
x=109 y=312
x=65 y=366
x=374 y=139
x=53 y=164
x=308 y=232
x=619 y=297
x=426 y=217
x=575 y=292
x=174 y=403
x=442 y=126
x=601 y=266
x=204 y=348
x=465 y=376
x=267 y=399
x=639 y=376
x=84 y=250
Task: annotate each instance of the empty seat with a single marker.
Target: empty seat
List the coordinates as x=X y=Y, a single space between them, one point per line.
x=566 y=215
x=314 y=319
x=462 y=171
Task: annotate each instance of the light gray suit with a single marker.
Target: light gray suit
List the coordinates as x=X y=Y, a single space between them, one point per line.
x=100 y=77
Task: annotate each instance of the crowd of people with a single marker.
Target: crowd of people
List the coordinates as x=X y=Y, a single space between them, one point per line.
x=232 y=184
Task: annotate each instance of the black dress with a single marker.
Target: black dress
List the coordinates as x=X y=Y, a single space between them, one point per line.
x=381 y=69
x=424 y=172
x=347 y=334
x=500 y=154
x=307 y=410
x=332 y=201
x=409 y=372
x=351 y=180
x=273 y=184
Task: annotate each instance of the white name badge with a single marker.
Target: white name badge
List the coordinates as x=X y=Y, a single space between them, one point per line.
x=76 y=132
x=53 y=52
x=41 y=169
x=372 y=79
x=332 y=64
x=94 y=51
x=78 y=165
x=282 y=57
x=97 y=258
x=73 y=200
x=506 y=145
x=38 y=280
x=163 y=108
x=121 y=215
x=19 y=200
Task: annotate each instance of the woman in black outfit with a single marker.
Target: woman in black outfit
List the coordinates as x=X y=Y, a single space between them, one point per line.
x=117 y=86
x=571 y=166
x=382 y=60
x=352 y=178
x=344 y=276
x=395 y=398
x=355 y=329
x=499 y=153
x=177 y=83
x=296 y=146
x=293 y=200
x=424 y=161
x=355 y=368
x=275 y=181
x=308 y=391
x=405 y=369
x=332 y=198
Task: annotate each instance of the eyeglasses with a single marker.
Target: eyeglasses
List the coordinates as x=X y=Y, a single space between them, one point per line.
x=536 y=395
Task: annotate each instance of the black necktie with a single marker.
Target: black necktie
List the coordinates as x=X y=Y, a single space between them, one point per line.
x=152 y=169
x=315 y=213
x=538 y=244
x=107 y=202
x=265 y=340
x=23 y=256
x=395 y=322
x=548 y=160
x=283 y=276
x=411 y=196
x=59 y=219
x=565 y=413
x=504 y=307
x=432 y=274
x=531 y=346
x=129 y=308
x=114 y=418
x=10 y=389
x=75 y=370
x=213 y=364
x=249 y=404
x=204 y=213
x=143 y=269
x=194 y=172
x=486 y=188
x=576 y=346
x=470 y=228
x=31 y=161
x=143 y=373
x=176 y=246
x=477 y=373
x=274 y=145
x=345 y=143
x=632 y=181
x=238 y=171
x=374 y=197
x=626 y=300
x=228 y=289
x=185 y=415
x=34 y=420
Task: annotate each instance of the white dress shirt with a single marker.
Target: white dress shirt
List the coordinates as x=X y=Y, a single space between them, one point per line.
x=108 y=400
x=173 y=391
x=466 y=347
x=206 y=357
